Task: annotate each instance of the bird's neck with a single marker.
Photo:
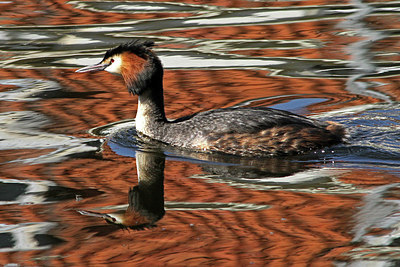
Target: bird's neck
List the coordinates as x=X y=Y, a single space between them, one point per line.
x=150 y=115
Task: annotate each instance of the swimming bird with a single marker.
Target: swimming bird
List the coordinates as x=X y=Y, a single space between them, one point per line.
x=244 y=131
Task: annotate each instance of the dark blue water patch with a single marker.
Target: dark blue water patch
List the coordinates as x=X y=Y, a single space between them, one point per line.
x=298 y=105
x=119 y=149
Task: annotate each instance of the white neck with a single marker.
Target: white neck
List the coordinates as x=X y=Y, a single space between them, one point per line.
x=150 y=116
x=142 y=117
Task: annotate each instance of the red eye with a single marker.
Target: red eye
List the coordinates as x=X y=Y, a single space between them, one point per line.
x=112 y=60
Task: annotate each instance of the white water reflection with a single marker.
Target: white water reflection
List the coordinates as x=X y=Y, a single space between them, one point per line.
x=23 y=131
x=70 y=39
x=361 y=55
x=28 y=89
x=30 y=191
x=182 y=61
x=315 y=180
x=256 y=17
x=23 y=236
x=377 y=227
x=140 y=8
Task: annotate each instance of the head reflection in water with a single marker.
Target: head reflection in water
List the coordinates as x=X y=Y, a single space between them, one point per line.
x=146 y=200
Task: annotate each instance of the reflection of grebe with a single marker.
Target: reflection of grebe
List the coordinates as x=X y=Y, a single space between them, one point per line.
x=250 y=131
x=146 y=200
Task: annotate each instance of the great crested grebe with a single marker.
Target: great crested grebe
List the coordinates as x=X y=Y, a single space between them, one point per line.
x=245 y=131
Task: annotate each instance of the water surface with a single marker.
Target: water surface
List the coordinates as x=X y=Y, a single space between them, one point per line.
x=70 y=155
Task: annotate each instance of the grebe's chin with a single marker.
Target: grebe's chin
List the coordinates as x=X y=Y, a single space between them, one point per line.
x=248 y=131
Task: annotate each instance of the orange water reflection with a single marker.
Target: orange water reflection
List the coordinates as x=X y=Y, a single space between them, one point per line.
x=298 y=227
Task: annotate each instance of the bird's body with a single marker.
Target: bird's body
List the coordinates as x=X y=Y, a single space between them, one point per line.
x=243 y=131
x=246 y=131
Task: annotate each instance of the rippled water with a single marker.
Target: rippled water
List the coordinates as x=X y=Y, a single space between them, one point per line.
x=71 y=160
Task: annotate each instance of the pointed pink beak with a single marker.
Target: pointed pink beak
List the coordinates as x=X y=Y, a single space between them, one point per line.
x=93 y=68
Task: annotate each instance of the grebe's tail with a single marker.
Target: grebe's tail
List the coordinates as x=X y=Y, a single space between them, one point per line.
x=337 y=130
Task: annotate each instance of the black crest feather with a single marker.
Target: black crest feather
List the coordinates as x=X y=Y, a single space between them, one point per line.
x=138 y=47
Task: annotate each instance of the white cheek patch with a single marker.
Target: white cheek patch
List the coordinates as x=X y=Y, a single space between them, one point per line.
x=115 y=67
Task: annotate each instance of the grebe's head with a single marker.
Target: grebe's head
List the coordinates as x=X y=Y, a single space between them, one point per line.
x=122 y=219
x=136 y=62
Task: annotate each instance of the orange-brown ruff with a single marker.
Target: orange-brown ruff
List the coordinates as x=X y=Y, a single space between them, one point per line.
x=249 y=131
